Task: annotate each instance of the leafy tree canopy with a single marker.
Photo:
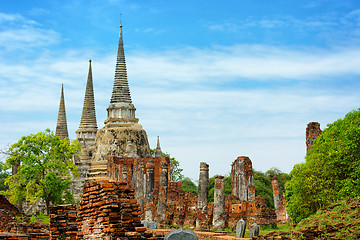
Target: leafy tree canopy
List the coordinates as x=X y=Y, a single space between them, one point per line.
x=45 y=168
x=331 y=170
x=263 y=187
x=189 y=186
x=3 y=175
x=227 y=186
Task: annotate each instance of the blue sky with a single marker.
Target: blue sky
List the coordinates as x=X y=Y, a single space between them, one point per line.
x=214 y=79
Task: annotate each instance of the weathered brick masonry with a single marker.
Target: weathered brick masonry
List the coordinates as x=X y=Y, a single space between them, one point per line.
x=108 y=210
x=312 y=132
x=19 y=230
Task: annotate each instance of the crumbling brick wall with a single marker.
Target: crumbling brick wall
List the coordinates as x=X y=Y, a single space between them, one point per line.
x=63 y=221
x=23 y=229
x=175 y=212
x=250 y=211
x=108 y=210
x=6 y=205
x=282 y=215
x=118 y=166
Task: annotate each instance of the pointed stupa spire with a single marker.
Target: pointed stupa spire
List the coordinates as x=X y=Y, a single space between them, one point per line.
x=88 y=117
x=121 y=110
x=61 y=126
x=158 y=152
x=88 y=125
x=121 y=91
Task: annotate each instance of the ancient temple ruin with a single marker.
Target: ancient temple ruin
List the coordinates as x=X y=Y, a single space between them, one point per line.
x=118 y=156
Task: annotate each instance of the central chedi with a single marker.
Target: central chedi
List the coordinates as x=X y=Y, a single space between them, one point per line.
x=122 y=135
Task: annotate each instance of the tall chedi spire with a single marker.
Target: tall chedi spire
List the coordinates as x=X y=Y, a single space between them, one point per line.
x=122 y=134
x=61 y=126
x=86 y=136
x=121 y=91
x=88 y=126
x=121 y=110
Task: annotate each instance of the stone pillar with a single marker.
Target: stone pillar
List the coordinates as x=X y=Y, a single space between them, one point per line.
x=140 y=185
x=312 y=132
x=161 y=210
x=243 y=179
x=276 y=192
x=203 y=193
x=219 y=204
x=149 y=194
x=134 y=176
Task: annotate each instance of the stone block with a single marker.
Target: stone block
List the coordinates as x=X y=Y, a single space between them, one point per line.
x=240 y=228
x=181 y=234
x=254 y=230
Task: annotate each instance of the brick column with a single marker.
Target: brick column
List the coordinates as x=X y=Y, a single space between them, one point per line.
x=276 y=192
x=161 y=210
x=203 y=193
x=140 y=184
x=149 y=194
x=219 y=204
x=125 y=174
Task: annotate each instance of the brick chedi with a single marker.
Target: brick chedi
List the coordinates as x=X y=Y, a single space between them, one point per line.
x=61 y=126
x=86 y=135
x=121 y=127
x=312 y=132
x=243 y=179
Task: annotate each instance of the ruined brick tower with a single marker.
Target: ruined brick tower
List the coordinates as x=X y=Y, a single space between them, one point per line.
x=312 y=132
x=122 y=135
x=243 y=179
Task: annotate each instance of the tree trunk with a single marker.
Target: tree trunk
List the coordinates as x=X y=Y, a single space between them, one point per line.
x=48 y=206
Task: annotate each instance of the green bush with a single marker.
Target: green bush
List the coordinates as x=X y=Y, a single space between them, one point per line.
x=331 y=170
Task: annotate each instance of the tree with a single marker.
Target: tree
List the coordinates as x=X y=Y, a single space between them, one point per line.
x=3 y=175
x=331 y=170
x=45 y=168
x=176 y=174
x=227 y=186
x=189 y=186
x=263 y=187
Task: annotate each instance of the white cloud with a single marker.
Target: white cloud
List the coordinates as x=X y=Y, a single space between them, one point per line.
x=19 y=33
x=241 y=63
x=329 y=28
x=190 y=97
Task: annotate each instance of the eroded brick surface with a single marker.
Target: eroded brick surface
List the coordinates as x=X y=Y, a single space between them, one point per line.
x=312 y=132
x=243 y=179
x=108 y=210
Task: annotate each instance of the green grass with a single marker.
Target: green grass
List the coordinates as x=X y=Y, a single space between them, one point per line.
x=341 y=219
x=40 y=218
